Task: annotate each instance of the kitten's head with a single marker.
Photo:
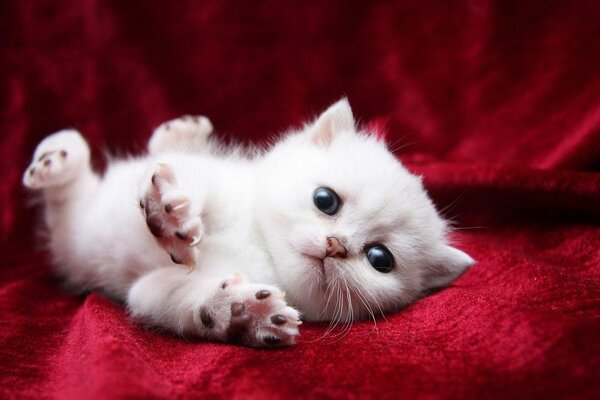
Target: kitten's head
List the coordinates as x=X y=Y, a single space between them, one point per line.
x=351 y=232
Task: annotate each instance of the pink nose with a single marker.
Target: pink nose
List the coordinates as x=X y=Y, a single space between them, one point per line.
x=335 y=248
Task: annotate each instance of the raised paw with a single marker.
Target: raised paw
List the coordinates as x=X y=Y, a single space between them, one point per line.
x=188 y=133
x=57 y=160
x=170 y=218
x=258 y=314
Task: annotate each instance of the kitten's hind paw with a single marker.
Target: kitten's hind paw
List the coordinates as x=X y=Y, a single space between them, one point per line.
x=187 y=134
x=57 y=160
x=170 y=219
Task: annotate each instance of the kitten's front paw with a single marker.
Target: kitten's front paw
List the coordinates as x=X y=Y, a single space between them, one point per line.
x=187 y=133
x=258 y=314
x=57 y=160
x=170 y=219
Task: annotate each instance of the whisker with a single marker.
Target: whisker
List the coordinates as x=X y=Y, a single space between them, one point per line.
x=339 y=308
x=334 y=320
x=451 y=206
x=328 y=300
x=464 y=228
x=378 y=306
x=363 y=300
x=347 y=318
x=350 y=316
x=395 y=147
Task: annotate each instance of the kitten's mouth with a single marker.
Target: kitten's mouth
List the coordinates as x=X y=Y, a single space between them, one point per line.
x=316 y=263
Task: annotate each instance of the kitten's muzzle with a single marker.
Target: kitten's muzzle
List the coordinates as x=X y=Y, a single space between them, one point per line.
x=335 y=248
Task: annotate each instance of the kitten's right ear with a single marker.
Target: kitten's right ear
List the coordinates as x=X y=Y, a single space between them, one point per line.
x=336 y=119
x=448 y=264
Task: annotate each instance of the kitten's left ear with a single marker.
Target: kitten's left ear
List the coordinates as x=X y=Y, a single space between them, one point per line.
x=448 y=264
x=336 y=119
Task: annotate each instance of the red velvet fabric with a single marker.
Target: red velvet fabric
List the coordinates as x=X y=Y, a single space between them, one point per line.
x=495 y=103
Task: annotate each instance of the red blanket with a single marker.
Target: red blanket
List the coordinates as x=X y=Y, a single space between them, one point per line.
x=496 y=103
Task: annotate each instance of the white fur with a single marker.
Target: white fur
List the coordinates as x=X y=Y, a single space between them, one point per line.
x=258 y=228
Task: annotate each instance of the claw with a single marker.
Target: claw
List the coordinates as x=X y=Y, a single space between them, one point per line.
x=178 y=206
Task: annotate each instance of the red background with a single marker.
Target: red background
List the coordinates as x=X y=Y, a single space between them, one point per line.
x=496 y=103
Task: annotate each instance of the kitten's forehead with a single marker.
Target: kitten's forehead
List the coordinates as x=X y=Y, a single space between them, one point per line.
x=379 y=195
x=366 y=172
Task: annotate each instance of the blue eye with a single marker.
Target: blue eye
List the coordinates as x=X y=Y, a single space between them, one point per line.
x=380 y=258
x=327 y=200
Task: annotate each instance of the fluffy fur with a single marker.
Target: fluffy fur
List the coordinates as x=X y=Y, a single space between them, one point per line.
x=204 y=241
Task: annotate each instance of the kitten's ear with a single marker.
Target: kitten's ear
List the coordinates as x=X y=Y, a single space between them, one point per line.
x=335 y=119
x=448 y=264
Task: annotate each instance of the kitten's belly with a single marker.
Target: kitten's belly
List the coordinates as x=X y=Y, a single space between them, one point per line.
x=112 y=245
x=227 y=253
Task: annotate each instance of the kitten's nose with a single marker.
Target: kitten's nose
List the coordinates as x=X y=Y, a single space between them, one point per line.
x=335 y=248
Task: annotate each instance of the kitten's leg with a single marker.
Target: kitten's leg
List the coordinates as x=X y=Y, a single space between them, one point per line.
x=61 y=169
x=186 y=134
x=170 y=217
x=230 y=310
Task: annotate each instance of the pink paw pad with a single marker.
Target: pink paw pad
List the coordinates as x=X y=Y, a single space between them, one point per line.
x=259 y=315
x=169 y=219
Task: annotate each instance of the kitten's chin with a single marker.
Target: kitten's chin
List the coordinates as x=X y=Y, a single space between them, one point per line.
x=305 y=284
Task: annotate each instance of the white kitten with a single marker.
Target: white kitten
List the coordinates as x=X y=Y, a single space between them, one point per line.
x=203 y=241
